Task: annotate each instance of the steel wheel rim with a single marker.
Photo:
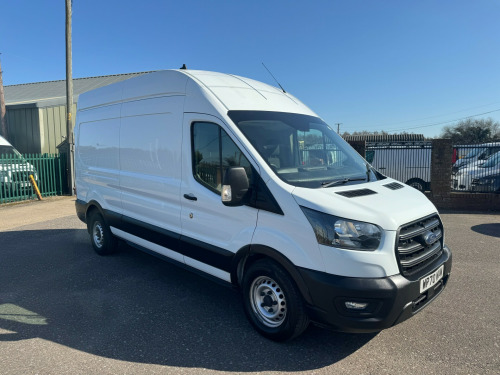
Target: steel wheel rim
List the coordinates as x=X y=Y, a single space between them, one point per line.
x=268 y=301
x=98 y=234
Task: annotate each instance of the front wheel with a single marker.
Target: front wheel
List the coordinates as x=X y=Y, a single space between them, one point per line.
x=272 y=302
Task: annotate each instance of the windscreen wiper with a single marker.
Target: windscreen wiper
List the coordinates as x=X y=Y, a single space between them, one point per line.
x=340 y=182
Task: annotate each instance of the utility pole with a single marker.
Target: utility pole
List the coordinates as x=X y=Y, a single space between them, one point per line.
x=338 y=127
x=69 y=99
x=4 y=130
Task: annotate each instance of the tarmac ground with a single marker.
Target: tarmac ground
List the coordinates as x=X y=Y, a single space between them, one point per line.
x=66 y=310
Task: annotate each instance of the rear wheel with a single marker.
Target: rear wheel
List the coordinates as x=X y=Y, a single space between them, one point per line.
x=101 y=237
x=272 y=302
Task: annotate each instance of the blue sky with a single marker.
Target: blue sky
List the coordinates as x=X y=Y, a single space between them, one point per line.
x=370 y=65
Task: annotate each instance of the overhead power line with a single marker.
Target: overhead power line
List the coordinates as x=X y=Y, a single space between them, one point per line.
x=442 y=122
x=442 y=115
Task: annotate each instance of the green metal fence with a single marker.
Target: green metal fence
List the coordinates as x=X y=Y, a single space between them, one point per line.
x=48 y=170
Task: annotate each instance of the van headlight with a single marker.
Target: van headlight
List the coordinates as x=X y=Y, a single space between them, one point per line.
x=343 y=233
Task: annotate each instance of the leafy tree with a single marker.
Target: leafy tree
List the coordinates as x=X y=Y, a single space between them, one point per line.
x=472 y=131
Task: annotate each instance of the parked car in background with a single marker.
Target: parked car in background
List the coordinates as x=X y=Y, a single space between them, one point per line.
x=475 y=153
x=462 y=180
x=14 y=170
x=487 y=184
x=459 y=151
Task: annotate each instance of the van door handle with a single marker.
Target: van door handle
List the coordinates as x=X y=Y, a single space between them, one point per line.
x=382 y=168
x=190 y=196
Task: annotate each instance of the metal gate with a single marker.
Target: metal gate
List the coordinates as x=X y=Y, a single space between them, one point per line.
x=48 y=170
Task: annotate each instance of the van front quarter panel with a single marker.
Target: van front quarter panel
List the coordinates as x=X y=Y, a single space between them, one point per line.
x=291 y=235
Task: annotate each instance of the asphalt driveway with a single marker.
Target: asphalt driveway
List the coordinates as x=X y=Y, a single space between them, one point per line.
x=66 y=310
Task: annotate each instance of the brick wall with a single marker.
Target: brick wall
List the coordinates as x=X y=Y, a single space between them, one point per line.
x=466 y=201
x=441 y=163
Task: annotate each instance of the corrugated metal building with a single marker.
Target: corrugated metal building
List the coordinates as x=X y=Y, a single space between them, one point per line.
x=36 y=112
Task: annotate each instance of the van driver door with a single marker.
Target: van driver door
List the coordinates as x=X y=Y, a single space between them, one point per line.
x=211 y=232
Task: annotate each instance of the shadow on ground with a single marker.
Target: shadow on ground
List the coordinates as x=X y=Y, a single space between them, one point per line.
x=492 y=229
x=132 y=307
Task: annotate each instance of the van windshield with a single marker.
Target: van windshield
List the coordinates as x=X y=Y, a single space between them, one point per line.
x=302 y=150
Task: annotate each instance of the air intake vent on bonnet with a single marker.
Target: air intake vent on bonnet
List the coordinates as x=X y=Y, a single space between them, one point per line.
x=394 y=186
x=356 y=193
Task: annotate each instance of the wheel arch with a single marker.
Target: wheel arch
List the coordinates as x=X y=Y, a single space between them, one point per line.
x=416 y=180
x=90 y=207
x=252 y=253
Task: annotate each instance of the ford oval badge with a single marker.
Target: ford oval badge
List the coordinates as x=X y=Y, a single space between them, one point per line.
x=430 y=238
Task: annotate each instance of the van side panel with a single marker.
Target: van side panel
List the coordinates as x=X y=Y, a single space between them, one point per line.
x=97 y=163
x=150 y=161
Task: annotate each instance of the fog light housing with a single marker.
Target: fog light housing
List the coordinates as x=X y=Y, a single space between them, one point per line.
x=358 y=306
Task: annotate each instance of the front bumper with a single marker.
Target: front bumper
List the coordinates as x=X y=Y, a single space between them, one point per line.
x=391 y=300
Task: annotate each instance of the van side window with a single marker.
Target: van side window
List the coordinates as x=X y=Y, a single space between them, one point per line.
x=213 y=152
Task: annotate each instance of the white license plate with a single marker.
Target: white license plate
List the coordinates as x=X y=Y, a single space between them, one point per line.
x=432 y=279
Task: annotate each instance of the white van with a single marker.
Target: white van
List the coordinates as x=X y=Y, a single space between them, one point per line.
x=408 y=164
x=241 y=181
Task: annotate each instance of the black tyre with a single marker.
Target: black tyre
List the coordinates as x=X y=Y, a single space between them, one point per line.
x=102 y=239
x=272 y=301
x=417 y=183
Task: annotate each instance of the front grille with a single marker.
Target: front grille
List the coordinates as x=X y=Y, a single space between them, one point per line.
x=419 y=244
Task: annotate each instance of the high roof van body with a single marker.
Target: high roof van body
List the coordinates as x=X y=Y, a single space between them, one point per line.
x=241 y=181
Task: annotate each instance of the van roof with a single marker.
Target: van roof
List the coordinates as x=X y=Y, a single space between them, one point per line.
x=240 y=93
x=231 y=91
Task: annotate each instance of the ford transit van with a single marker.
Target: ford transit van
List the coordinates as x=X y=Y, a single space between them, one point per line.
x=242 y=182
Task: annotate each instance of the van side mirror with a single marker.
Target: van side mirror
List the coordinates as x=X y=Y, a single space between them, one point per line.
x=235 y=185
